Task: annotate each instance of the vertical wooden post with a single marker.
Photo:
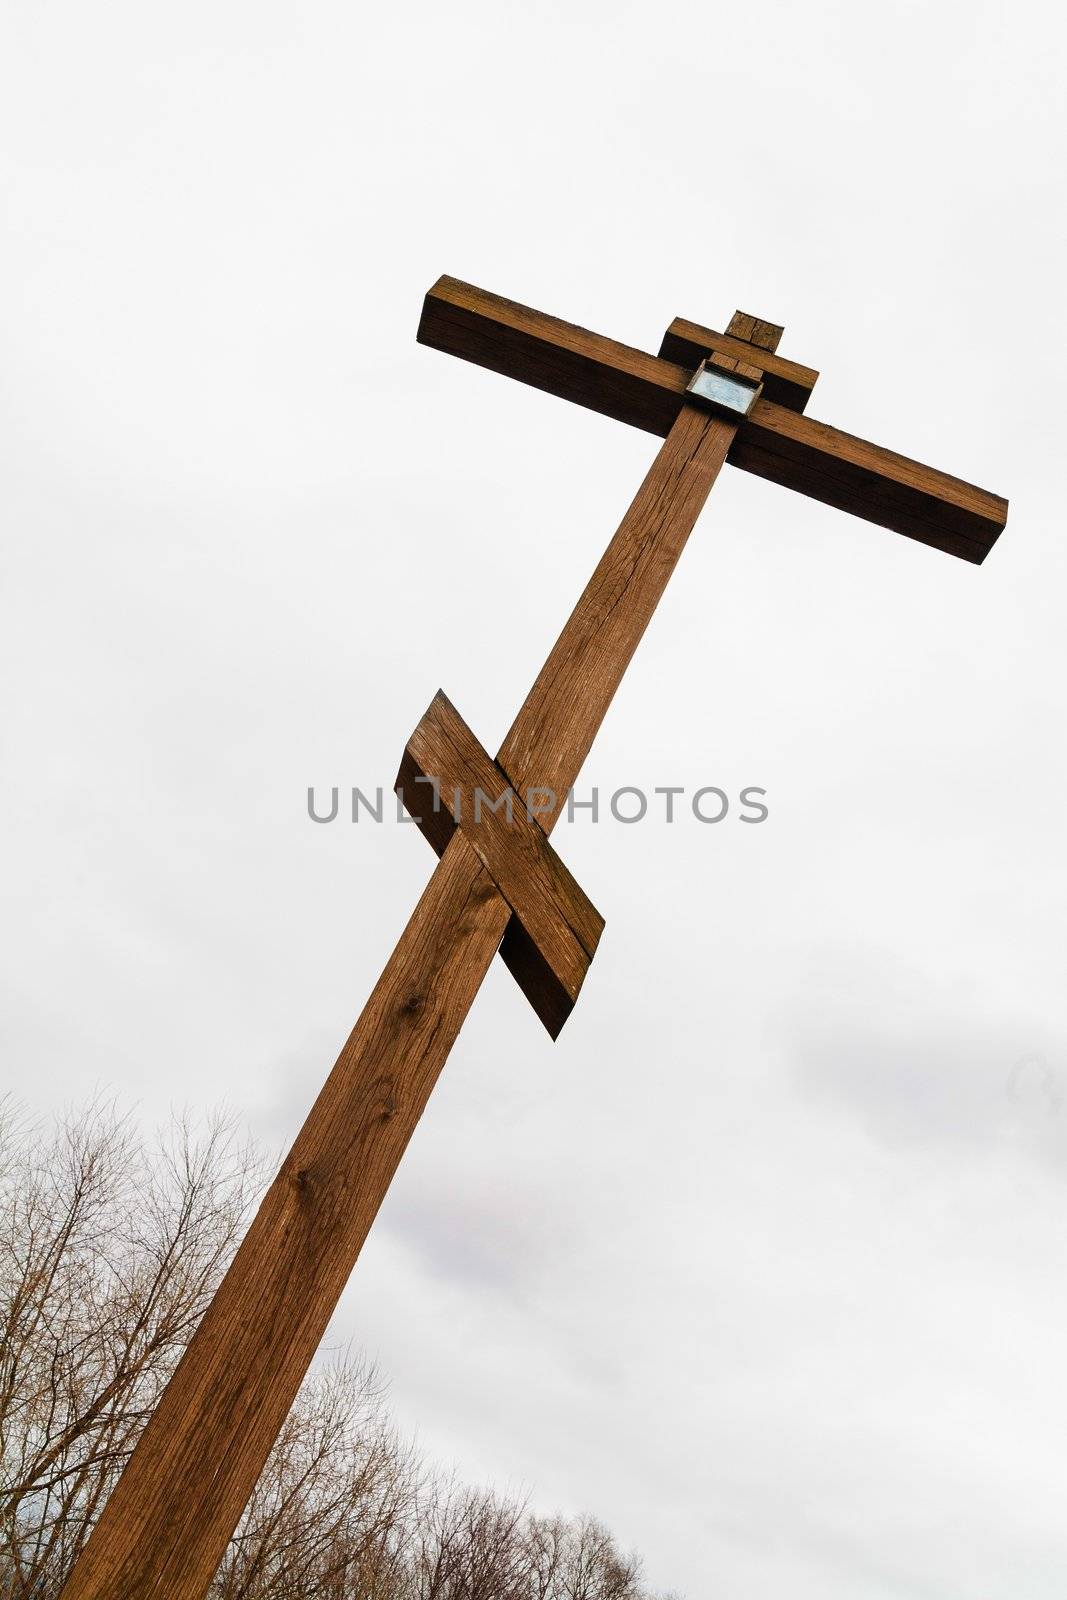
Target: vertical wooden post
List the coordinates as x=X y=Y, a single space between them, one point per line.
x=165 y=1528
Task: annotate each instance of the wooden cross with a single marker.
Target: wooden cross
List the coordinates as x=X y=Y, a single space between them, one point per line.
x=499 y=885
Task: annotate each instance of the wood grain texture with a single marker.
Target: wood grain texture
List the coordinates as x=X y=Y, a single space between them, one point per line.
x=869 y=481
x=560 y=926
x=556 y=356
x=774 y=442
x=744 y=369
x=754 y=330
x=552 y=734
x=166 y=1525
x=787 y=383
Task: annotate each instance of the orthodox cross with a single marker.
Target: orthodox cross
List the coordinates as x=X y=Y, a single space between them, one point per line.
x=498 y=886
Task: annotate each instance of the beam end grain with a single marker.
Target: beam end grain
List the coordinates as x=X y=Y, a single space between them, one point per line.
x=755 y=330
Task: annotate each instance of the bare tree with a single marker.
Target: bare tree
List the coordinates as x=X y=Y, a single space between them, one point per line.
x=592 y=1568
x=546 y=1540
x=329 y=1516
x=108 y=1257
x=468 y=1544
x=109 y=1254
x=476 y=1545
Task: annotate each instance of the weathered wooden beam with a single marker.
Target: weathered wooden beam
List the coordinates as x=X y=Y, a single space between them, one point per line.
x=553 y=732
x=869 y=481
x=448 y=780
x=553 y=355
x=166 y=1525
x=756 y=330
x=773 y=442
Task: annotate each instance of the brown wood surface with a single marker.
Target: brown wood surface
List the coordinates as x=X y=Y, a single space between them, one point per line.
x=559 y=719
x=744 y=369
x=553 y=355
x=754 y=330
x=561 y=927
x=550 y=738
x=166 y=1525
x=774 y=442
x=868 y=481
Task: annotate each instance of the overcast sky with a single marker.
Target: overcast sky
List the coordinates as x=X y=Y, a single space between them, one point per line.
x=764 y=1261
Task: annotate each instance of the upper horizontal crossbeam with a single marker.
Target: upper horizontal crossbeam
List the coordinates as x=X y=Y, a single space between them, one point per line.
x=774 y=441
